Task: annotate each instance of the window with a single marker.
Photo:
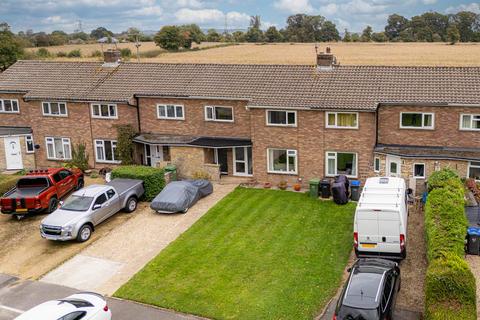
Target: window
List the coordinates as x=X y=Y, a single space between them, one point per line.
x=470 y=122
x=219 y=114
x=76 y=315
x=169 y=111
x=55 y=109
x=104 y=111
x=416 y=120
x=474 y=170
x=101 y=199
x=58 y=148
x=419 y=170
x=341 y=163
x=105 y=150
x=342 y=120
x=376 y=164
x=282 y=161
x=29 y=144
x=110 y=193
x=64 y=174
x=9 y=106
x=281 y=118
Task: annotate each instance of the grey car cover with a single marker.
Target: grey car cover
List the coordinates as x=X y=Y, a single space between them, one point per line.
x=179 y=196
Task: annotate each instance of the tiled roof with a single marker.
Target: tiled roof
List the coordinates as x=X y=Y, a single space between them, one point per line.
x=299 y=86
x=430 y=152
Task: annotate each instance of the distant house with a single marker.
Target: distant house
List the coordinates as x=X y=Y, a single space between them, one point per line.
x=269 y=122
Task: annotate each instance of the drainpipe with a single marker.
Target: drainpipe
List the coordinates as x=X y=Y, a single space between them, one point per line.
x=138 y=113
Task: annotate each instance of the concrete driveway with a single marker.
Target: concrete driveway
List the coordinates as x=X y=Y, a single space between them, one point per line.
x=17 y=296
x=111 y=261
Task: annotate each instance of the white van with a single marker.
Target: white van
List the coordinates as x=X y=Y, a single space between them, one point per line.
x=380 y=226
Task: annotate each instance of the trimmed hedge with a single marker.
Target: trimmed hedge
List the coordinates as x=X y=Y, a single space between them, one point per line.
x=7 y=182
x=153 y=178
x=450 y=290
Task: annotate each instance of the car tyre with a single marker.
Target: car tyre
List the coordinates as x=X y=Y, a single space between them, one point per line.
x=131 y=204
x=84 y=233
x=80 y=184
x=52 y=204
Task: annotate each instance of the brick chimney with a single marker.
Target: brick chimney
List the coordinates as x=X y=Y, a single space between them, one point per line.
x=326 y=60
x=111 y=58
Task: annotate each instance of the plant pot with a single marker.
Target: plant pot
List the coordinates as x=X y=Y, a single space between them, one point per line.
x=297 y=187
x=267 y=185
x=282 y=186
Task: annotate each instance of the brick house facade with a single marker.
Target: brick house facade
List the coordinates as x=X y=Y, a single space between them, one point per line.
x=269 y=123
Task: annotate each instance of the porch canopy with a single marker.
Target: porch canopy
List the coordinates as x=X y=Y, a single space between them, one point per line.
x=430 y=152
x=192 y=141
x=14 y=131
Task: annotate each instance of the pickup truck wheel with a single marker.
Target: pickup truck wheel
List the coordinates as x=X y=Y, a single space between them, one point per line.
x=131 y=204
x=80 y=184
x=52 y=205
x=84 y=233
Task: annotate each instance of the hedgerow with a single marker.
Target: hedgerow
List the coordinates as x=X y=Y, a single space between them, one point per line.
x=153 y=178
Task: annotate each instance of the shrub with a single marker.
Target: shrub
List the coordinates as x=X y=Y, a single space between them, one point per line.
x=7 y=182
x=153 y=178
x=61 y=54
x=125 y=146
x=76 y=53
x=43 y=53
x=96 y=54
x=126 y=52
x=441 y=178
x=79 y=157
x=151 y=53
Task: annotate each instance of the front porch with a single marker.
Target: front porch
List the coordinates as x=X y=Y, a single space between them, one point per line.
x=197 y=157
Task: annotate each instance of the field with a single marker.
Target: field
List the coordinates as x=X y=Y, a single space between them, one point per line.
x=257 y=254
x=427 y=54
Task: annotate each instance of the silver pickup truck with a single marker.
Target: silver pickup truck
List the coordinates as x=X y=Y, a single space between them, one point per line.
x=77 y=217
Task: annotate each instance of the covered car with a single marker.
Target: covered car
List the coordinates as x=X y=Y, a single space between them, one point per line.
x=179 y=196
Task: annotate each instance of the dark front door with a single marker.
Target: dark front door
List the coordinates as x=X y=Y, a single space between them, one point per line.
x=222 y=160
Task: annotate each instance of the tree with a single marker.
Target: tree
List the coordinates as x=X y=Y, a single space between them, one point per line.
x=379 y=37
x=255 y=22
x=273 y=35
x=238 y=36
x=41 y=39
x=58 y=38
x=133 y=34
x=254 y=35
x=347 y=36
x=395 y=25
x=192 y=33
x=355 y=37
x=101 y=32
x=79 y=36
x=125 y=145
x=305 y=28
x=453 y=34
x=467 y=23
x=367 y=34
x=328 y=32
x=169 y=38
x=213 y=36
x=10 y=49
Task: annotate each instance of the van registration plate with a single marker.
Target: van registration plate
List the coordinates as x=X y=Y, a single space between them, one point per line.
x=369 y=245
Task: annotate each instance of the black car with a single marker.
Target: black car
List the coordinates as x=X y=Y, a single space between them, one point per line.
x=371 y=291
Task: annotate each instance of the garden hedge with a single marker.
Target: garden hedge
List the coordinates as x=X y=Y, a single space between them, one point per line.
x=450 y=290
x=153 y=178
x=7 y=182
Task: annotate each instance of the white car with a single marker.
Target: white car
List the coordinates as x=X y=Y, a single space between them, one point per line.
x=80 y=306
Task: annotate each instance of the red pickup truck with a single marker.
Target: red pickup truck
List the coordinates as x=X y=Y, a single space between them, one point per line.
x=40 y=190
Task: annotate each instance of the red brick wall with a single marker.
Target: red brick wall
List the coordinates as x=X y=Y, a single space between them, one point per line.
x=445 y=133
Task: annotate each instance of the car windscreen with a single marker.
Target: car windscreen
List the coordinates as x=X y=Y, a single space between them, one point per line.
x=363 y=290
x=357 y=314
x=77 y=203
x=39 y=182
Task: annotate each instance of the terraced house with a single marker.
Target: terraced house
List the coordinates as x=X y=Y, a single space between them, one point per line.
x=268 y=122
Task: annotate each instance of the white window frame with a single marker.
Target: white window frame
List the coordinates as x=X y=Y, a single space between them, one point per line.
x=50 y=114
x=100 y=111
x=424 y=170
x=65 y=141
x=166 y=117
x=245 y=161
x=28 y=138
x=423 y=127
x=327 y=157
x=292 y=152
x=2 y=106
x=336 y=126
x=472 y=166
x=267 y=116
x=472 y=115
x=375 y=169
x=101 y=143
x=213 y=114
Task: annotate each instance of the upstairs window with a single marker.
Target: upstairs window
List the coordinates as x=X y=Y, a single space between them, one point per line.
x=412 y=120
x=58 y=148
x=224 y=114
x=9 y=106
x=170 y=111
x=104 y=111
x=55 y=109
x=342 y=120
x=281 y=118
x=470 y=122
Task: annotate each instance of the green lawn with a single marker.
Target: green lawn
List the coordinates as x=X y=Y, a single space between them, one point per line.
x=258 y=254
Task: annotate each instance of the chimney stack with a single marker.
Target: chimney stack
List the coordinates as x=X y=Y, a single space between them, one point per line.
x=326 y=60
x=111 y=58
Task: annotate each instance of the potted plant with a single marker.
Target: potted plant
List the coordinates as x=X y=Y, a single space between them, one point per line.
x=282 y=185
x=267 y=185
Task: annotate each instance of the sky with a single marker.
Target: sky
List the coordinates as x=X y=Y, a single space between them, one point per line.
x=119 y=15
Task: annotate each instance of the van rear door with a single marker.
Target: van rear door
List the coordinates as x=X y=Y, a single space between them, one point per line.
x=389 y=231
x=367 y=228
x=378 y=231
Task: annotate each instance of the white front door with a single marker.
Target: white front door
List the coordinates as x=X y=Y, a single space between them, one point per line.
x=13 y=153
x=394 y=166
x=242 y=158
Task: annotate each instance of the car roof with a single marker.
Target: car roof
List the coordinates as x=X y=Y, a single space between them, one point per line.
x=364 y=287
x=92 y=190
